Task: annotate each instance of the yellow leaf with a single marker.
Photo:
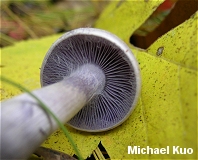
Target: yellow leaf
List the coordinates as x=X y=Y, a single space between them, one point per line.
x=166 y=113
x=125 y=16
x=22 y=63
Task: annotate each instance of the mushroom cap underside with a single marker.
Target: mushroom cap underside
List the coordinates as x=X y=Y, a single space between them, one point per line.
x=116 y=101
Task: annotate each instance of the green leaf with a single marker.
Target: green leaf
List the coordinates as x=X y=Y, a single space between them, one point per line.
x=166 y=113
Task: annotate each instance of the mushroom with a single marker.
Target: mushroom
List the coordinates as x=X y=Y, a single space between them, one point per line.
x=90 y=79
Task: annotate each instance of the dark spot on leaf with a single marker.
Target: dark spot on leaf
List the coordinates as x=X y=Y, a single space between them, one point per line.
x=119 y=3
x=1 y=66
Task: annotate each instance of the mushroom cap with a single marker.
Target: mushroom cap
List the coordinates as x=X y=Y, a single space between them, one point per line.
x=116 y=101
